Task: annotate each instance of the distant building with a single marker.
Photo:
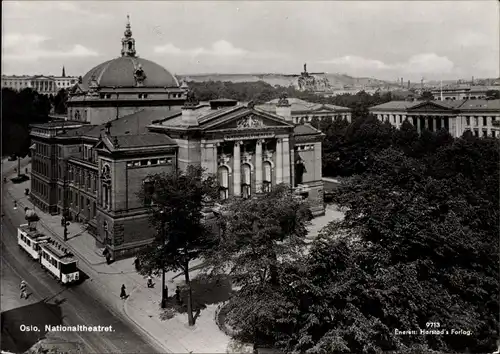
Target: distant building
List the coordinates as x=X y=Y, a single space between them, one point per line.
x=465 y=92
x=479 y=116
x=303 y=111
x=314 y=82
x=43 y=84
x=136 y=120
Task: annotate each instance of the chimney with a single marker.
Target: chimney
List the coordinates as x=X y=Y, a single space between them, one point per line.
x=408 y=84
x=284 y=108
x=402 y=85
x=472 y=82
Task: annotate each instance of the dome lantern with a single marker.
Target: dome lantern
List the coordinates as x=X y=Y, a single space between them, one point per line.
x=128 y=43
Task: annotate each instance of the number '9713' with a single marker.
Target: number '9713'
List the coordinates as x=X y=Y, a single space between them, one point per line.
x=432 y=325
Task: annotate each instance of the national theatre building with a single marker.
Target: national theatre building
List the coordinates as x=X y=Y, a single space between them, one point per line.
x=129 y=118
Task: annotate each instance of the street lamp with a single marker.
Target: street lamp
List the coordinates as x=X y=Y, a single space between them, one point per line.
x=164 y=294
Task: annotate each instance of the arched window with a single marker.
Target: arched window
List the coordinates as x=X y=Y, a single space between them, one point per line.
x=246 y=180
x=106 y=186
x=149 y=190
x=223 y=176
x=299 y=172
x=267 y=176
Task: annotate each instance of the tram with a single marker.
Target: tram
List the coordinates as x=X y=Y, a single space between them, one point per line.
x=30 y=240
x=51 y=255
x=58 y=261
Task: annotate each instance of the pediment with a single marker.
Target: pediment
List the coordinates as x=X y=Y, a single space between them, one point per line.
x=429 y=106
x=76 y=89
x=104 y=144
x=248 y=120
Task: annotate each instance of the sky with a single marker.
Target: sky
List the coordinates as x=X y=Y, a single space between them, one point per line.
x=385 y=40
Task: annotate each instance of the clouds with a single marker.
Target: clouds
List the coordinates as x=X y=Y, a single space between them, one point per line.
x=219 y=48
x=378 y=39
x=29 y=47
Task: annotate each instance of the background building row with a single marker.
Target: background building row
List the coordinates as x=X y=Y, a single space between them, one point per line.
x=41 y=83
x=481 y=117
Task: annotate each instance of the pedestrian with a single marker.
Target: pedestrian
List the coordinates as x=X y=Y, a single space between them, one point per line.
x=23 y=290
x=178 y=295
x=150 y=281
x=123 y=294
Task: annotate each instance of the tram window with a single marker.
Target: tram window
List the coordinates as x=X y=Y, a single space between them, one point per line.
x=68 y=268
x=28 y=243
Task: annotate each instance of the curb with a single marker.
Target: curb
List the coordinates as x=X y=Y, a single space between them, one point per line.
x=149 y=335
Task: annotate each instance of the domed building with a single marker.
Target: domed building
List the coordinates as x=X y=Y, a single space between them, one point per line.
x=122 y=86
x=129 y=118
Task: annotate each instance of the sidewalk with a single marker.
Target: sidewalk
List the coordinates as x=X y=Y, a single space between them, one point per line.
x=142 y=307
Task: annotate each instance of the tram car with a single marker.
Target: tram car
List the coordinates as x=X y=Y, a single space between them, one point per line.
x=30 y=240
x=58 y=261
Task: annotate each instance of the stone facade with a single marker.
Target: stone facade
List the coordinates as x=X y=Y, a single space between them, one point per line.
x=456 y=117
x=93 y=173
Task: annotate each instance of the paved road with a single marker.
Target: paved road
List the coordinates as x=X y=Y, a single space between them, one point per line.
x=52 y=303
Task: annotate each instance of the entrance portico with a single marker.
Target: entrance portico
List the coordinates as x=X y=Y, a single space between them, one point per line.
x=249 y=150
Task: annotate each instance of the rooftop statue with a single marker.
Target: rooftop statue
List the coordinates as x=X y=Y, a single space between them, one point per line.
x=191 y=99
x=283 y=100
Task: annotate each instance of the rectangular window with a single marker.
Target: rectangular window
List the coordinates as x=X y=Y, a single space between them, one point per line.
x=476 y=121
x=485 y=121
x=144 y=162
x=467 y=121
x=82 y=205
x=476 y=133
x=154 y=161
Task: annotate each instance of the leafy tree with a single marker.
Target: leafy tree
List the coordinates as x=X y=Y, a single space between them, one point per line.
x=332 y=146
x=405 y=137
x=177 y=199
x=60 y=100
x=427 y=96
x=315 y=122
x=259 y=235
x=19 y=110
x=493 y=94
x=363 y=138
x=418 y=244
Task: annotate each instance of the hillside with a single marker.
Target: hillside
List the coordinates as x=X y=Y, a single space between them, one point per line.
x=335 y=79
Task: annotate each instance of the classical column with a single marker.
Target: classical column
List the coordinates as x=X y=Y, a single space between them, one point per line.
x=236 y=169
x=286 y=161
x=419 y=128
x=258 y=166
x=434 y=124
x=215 y=157
x=279 y=162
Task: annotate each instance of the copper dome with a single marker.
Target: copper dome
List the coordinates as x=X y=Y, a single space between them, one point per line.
x=120 y=72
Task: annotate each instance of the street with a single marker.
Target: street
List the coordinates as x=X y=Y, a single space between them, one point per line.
x=50 y=303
